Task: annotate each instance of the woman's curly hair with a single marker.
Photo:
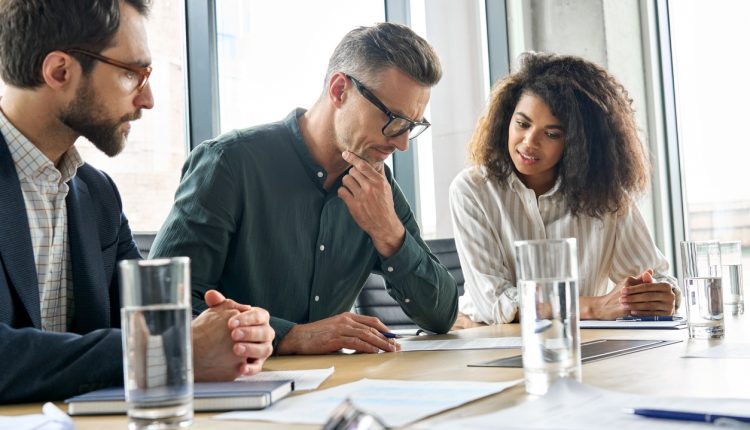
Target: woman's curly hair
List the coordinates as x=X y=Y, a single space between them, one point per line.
x=604 y=165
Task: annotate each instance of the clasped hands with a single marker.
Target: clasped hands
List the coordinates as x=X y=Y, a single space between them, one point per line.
x=636 y=296
x=230 y=339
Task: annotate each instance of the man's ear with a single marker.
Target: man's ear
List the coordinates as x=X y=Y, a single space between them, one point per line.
x=59 y=69
x=337 y=88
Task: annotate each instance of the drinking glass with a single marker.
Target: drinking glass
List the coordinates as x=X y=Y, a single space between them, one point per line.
x=156 y=342
x=547 y=273
x=701 y=269
x=731 y=277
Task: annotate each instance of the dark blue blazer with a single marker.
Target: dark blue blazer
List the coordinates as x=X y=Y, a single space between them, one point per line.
x=37 y=365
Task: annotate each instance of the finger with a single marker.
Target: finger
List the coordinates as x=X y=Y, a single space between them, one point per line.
x=258 y=333
x=652 y=313
x=213 y=298
x=657 y=306
x=645 y=288
x=647 y=276
x=651 y=296
x=250 y=317
x=250 y=368
x=359 y=345
x=351 y=184
x=346 y=195
x=252 y=351
x=373 y=322
x=361 y=179
x=231 y=304
x=360 y=164
x=372 y=337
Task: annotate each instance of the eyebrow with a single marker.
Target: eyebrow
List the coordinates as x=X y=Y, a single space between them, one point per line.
x=551 y=126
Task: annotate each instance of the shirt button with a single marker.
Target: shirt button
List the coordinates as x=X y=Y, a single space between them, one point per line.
x=320 y=174
x=407 y=300
x=317 y=298
x=390 y=268
x=322 y=248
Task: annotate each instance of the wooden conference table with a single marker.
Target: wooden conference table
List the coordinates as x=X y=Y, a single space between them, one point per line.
x=655 y=371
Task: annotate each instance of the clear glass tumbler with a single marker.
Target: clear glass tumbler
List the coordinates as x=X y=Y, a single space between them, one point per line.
x=156 y=342
x=547 y=273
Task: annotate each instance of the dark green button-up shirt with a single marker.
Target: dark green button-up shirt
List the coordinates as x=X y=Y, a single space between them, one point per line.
x=253 y=215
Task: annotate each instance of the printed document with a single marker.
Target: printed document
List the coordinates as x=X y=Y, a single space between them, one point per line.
x=424 y=344
x=395 y=402
x=303 y=379
x=571 y=405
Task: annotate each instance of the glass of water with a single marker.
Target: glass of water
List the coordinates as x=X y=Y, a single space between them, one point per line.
x=156 y=342
x=547 y=272
x=731 y=277
x=701 y=270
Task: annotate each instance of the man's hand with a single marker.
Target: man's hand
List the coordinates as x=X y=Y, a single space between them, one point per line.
x=229 y=339
x=368 y=195
x=648 y=297
x=347 y=330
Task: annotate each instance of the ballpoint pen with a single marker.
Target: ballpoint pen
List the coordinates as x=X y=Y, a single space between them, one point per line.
x=649 y=318
x=389 y=335
x=692 y=416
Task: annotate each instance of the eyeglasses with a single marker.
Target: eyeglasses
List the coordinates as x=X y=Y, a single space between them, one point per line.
x=134 y=81
x=347 y=416
x=396 y=125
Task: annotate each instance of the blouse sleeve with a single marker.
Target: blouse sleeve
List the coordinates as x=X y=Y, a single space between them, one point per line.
x=488 y=280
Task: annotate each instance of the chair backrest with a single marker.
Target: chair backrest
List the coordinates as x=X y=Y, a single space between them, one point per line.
x=144 y=242
x=374 y=299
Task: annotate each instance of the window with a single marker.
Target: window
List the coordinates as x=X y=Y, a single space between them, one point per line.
x=273 y=55
x=147 y=172
x=707 y=41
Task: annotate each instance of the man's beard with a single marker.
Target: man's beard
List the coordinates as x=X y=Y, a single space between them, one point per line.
x=83 y=115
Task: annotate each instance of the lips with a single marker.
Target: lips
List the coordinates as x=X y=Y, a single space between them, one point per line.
x=383 y=153
x=527 y=158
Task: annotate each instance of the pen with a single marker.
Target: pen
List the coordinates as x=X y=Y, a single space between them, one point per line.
x=649 y=318
x=690 y=416
x=389 y=335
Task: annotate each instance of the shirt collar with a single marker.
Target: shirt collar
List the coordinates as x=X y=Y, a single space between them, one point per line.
x=31 y=162
x=316 y=172
x=518 y=186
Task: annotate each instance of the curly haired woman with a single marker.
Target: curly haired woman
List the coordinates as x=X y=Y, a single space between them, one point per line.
x=557 y=155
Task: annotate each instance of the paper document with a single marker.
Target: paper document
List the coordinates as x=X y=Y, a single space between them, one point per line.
x=303 y=379
x=658 y=325
x=572 y=405
x=725 y=350
x=51 y=418
x=425 y=344
x=395 y=402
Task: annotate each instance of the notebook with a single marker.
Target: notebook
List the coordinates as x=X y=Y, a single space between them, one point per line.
x=207 y=396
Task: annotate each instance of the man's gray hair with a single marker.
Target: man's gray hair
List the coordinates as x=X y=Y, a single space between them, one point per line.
x=366 y=51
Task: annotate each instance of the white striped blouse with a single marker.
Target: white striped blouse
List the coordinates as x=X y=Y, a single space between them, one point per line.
x=489 y=216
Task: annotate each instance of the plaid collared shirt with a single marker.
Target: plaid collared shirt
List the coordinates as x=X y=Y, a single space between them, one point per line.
x=44 y=189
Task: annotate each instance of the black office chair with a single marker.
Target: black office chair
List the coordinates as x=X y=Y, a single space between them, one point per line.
x=374 y=299
x=144 y=242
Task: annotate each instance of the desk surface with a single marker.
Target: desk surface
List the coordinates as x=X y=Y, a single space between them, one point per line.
x=655 y=371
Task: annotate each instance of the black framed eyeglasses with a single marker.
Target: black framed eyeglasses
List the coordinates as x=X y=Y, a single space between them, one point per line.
x=396 y=125
x=134 y=81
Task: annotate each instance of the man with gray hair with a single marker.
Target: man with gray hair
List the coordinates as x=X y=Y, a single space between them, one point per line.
x=294 y=215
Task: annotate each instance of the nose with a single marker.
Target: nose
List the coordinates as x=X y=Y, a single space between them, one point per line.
x=401 y=142
x=531 y=137
x=144 y=99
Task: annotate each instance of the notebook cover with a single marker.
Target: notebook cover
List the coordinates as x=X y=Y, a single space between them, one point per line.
x=207 y=396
